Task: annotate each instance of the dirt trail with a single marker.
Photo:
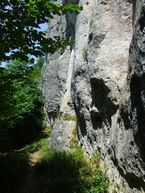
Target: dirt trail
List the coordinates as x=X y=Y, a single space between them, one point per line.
x=29 y=184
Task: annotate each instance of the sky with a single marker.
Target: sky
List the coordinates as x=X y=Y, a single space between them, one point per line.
x=43 y=27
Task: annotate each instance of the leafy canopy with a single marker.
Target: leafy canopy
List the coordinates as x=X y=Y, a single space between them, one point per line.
x=20 y=32
x=21 y=105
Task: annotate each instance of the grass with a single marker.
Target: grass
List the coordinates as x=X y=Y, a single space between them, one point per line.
x=69 y=172
x=40 y=145
x=67 y=117
x=37 y=169
x=57 y=172
x=74 y=140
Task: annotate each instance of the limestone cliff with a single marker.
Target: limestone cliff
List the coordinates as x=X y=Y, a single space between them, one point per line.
x=102 y=78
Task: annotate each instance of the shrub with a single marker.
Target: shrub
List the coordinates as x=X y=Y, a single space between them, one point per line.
x=21 y=106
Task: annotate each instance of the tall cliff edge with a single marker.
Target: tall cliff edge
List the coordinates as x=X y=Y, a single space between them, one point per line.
x=101 y=79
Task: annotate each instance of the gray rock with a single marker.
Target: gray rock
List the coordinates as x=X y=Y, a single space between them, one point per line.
x=61 y=135
x=100 y=83
x=57 y=71
x=57 y=75
x=104 y=78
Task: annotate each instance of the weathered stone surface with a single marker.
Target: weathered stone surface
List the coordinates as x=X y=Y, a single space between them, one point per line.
x=58 y=70
x=99 y=82
x=108 y=94
x=54 y=84
x=61 y=135
x=57 y=78
x=137 y=95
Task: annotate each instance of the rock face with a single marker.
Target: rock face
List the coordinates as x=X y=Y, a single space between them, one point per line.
x=61 y=135
x=57 y=78
x=104 y=76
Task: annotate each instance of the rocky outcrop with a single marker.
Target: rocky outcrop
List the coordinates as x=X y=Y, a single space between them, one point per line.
x=137 y=95
x=104 y=76
x=58 y=70
x=57 y=78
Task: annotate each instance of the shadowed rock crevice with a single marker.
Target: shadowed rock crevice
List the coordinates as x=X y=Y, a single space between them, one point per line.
x=137 y=81
x=133 y=181
x=81 y=123
x=95 y=40
x=102 y=108
x=138 y=112
x=142 y=19
x=70 y=24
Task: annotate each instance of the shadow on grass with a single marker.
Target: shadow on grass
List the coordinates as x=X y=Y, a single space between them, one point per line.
x=58 y=172
x=13 y=170
x=53 y=172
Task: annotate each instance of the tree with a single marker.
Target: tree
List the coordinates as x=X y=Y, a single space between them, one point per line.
x=21 y=106
x=19 y=27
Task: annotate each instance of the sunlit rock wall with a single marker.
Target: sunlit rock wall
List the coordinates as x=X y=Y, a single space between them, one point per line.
x=102 y=78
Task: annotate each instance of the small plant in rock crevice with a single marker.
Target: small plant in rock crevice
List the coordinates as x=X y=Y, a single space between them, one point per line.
x=85 y=54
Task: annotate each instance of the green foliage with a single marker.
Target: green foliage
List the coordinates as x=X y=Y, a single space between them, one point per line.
x=52 y=171
x=20 y=22
x=67 y=117
x=85 y=54
x=37 y=69
x=40 y=145
x=48 y=131
x=69 y=172
x=74 y=139
x=21 y=106
x=92 y=179
x=57 y=172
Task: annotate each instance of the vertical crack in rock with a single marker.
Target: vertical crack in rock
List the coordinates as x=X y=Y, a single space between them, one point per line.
x=137 y=88
x=57 y=71
x=57 y=75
